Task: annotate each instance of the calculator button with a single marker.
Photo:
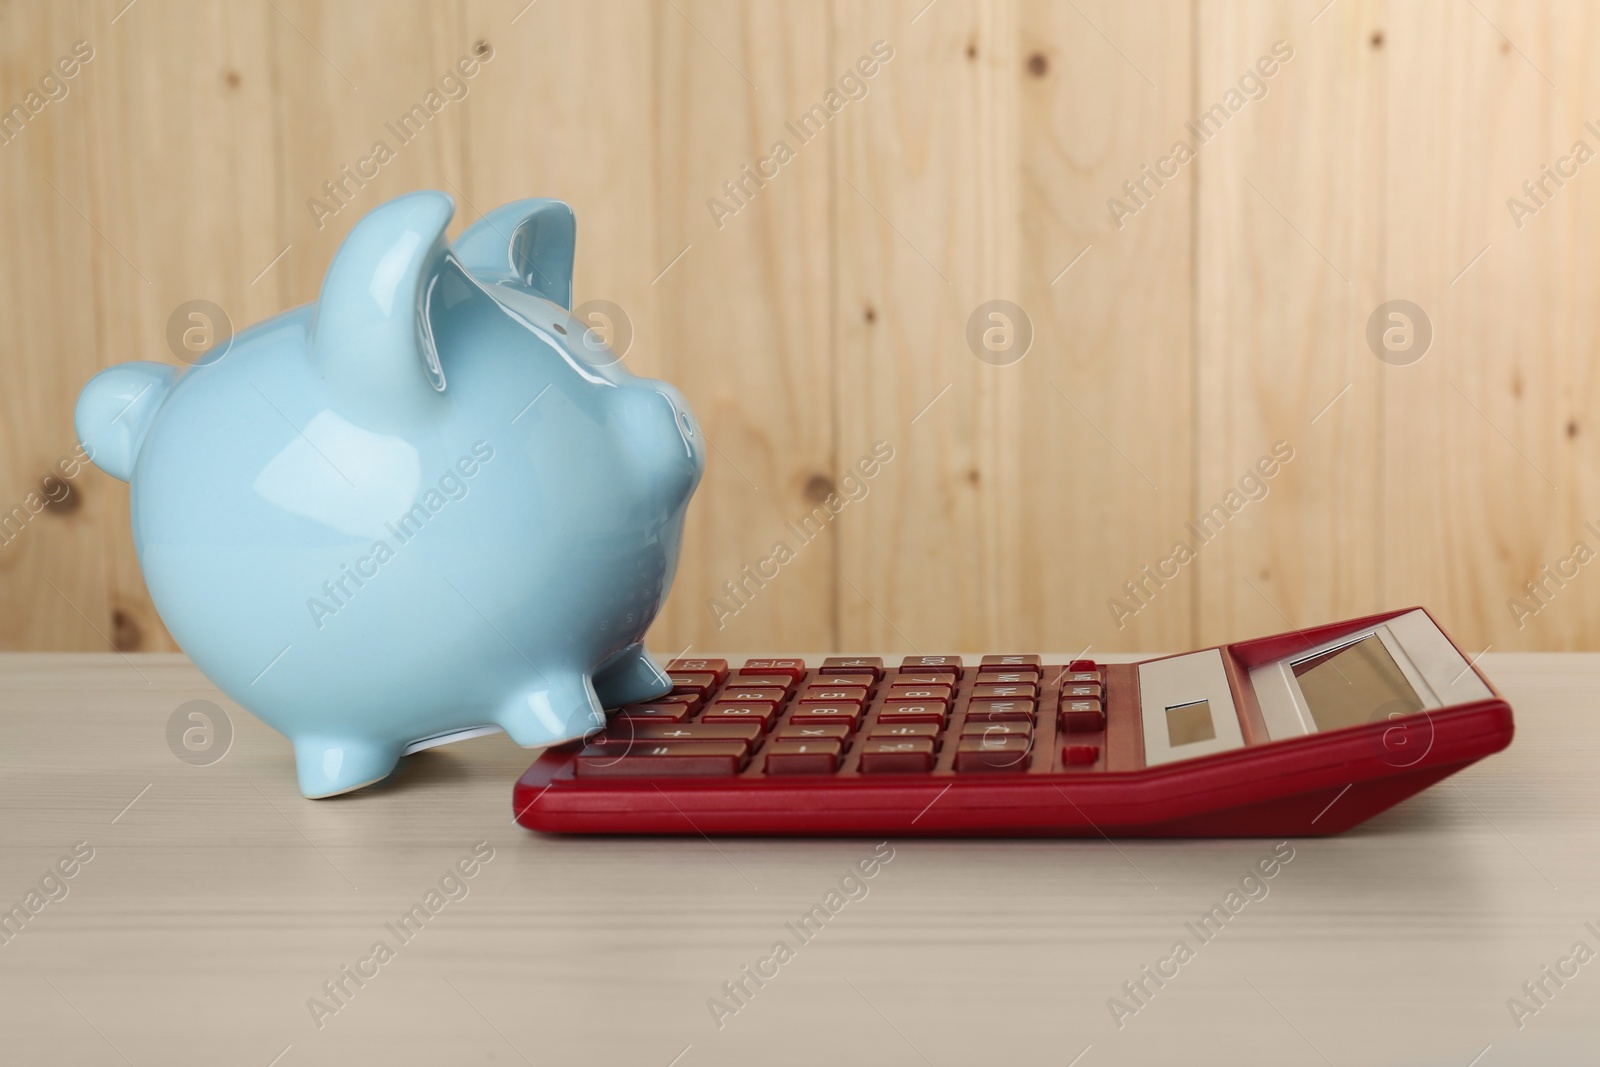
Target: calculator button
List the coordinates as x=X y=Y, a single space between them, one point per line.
x=997 y=729
x=1000 y=711
x=1004 y=692
x=759 y=713
x=1082 y=691
x=848 y=714
x=819 y=730
x=688 y=700
x=898 y=756
x=1082 y=717
x=937 y=664
x=700 y=682
x=1078 y=677
x=794 y=668
x=1083 y=665
x=1027 y=677
x=904 y=729
x=833 y=694
x=865 y=681
x=803 y=757
x=761 y=681
x=853 y=665
x=993 y=753
x=691 y=759
x=656 y=712
x=918 y=692
x=718 y=667
x=922 y=678
x=1079 y=755
x=1007 y=663
x=623 y=734
x=752 y=694
x=912 y=711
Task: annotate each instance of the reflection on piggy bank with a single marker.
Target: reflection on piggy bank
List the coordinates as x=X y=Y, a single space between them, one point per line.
x=428 y=506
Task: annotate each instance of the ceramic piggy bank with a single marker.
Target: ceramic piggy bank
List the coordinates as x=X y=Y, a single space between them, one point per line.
x=428 y=506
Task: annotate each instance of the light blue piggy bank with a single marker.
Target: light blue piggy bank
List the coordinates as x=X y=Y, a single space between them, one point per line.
x=428 y=506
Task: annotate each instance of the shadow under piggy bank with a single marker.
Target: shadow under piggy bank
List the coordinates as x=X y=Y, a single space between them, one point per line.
x=428 y=506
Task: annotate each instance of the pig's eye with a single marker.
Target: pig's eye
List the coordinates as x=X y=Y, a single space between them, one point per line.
x=562 y=330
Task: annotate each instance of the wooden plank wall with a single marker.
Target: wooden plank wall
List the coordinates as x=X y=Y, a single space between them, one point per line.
x=821 y=324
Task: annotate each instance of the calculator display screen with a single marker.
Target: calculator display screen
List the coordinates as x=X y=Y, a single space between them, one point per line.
x=1188 y=724
x=1355 y=684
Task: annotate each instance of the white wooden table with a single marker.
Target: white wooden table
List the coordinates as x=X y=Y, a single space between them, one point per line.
x=218 y=903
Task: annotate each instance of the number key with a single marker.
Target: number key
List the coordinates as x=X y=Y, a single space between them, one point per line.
x=760 y=713
x=761 y=680
x=923 y=678
x=700 y=682
x=846 y=714
x=853 y=664
x=865 y=681
x=748 y=694
x=919 y=692
x=913 y=711
x=833 y=694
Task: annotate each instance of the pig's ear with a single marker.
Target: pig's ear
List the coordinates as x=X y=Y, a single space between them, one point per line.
x=371 y=337
x=528 y=243
x=116 y=408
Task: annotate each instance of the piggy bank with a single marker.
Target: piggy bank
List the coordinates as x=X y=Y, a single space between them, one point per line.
x=428 y=506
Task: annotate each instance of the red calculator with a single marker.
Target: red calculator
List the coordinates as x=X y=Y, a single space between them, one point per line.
x=1304 y=733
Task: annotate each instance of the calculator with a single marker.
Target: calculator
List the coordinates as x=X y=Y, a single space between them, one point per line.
x=1304 y=733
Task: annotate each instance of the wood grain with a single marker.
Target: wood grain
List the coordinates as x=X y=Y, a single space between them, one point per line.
x=745 y=315
x=925 y=229
x=827 y=308
x=1490 y=475
x=176 y=147
x=1290 y=210
x=54 y=577
x=1101 y=435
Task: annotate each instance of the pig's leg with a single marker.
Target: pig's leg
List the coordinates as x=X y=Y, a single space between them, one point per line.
x=630 y=676
x=330 y=765
x=558 y=707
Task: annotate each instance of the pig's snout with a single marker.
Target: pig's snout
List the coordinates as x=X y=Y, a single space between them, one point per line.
x=684 y=423
x=674 y=444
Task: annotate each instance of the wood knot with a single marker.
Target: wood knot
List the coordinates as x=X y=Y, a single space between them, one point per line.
x=819 y=487
x=125 y=633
